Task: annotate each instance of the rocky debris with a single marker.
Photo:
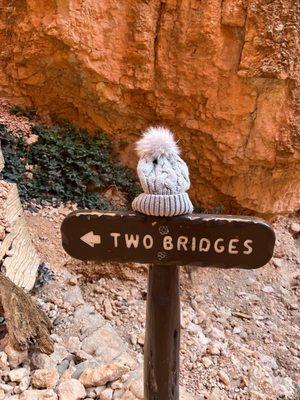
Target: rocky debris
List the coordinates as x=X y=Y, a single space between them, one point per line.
x=89 y=359
x=239 y=337
x=99 y=376
x=226 y=316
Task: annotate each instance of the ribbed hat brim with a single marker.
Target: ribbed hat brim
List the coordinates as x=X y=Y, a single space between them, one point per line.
x=163 y=205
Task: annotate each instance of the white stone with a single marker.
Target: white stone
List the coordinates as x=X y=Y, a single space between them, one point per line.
x=214 y=348
x=141 y=339
x=15 y=357
x=295 y=227
x=59 y=353
x=106 y=394
x=137 y=388
x=44 y=378
x=194 y=304
x=87 y=320
x=16 y=375
x=24 y=384
x=202 y=340
x=268 y=289
x=3 y=361
x=207 y=362
x=73 y=344
x=71 y=390
x=42 y=361
x=6 y=388
x=83 y=366
x=38 y=395
x=224 y=378
x=104 y=343
x=237 y=330
x=69 y=372
x=216 y=394
x=133 y=339
x=56 y=338
x=201 y=315
x=117 y=384
x=216 y=333
x=278 y=262
x=101 y=375
x=107 y=309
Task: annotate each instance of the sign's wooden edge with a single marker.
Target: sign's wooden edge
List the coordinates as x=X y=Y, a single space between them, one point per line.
x=191 y=217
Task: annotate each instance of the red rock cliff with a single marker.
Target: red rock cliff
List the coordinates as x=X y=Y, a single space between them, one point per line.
x=221 y=73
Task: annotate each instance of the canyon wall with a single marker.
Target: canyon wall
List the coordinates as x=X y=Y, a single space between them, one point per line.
x=221 y=73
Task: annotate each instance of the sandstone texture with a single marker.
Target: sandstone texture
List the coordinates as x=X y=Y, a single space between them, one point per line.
x=222 y=74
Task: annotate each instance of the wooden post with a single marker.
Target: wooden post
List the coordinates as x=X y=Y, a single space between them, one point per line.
x=162 y=338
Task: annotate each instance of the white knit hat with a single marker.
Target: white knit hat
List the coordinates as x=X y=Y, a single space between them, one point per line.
x=164 y=176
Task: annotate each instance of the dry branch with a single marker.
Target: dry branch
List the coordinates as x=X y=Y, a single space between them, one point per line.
x=27 y=325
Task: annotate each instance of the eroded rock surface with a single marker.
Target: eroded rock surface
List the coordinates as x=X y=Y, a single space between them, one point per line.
x=221 y=74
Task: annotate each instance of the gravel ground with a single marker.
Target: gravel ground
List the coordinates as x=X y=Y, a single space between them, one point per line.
x=240 y=328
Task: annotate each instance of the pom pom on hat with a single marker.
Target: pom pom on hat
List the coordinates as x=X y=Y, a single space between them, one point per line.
x=157 y=142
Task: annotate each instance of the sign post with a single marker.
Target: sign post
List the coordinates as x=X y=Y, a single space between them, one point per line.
x=166 y=243
x=162 y=338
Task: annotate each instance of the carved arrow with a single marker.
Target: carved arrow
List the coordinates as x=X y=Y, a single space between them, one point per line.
x=91 y=239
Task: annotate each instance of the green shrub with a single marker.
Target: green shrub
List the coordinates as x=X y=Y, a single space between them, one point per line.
x=28 y=112
x=66 y=164
x=214 y=210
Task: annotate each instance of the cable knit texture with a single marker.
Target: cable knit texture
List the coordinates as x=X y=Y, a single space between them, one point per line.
x=164 y=176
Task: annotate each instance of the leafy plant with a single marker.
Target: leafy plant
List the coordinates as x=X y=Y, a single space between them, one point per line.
x=215 y=210
x=14 y=152
x=65 y=164
x=28 y=112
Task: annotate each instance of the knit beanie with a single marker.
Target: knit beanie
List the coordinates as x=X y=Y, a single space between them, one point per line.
x=164 y=176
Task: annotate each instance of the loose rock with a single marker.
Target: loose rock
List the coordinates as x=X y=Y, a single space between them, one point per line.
x=101 y=375
x=38 y=395
x=16 y=375
x=107 y=394
x=224 y=378
x=42 y=361
x=45 y=378
x=15 y=357
x=71 y=390
x=295 y=227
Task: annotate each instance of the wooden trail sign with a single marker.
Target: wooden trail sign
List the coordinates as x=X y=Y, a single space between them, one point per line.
x=196 y=239
x=166 y=243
